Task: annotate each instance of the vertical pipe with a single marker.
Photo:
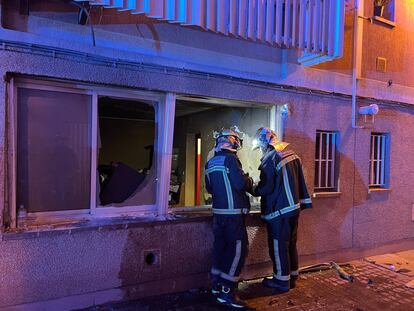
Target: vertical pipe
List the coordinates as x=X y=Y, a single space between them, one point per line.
x=357 y=56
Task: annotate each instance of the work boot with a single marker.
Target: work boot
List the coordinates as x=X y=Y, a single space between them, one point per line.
x=279 y=286
x=293 y=279
x=227 y=298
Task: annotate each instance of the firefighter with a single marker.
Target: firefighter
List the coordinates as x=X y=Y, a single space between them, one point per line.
x=228 y=184
x=283 y=195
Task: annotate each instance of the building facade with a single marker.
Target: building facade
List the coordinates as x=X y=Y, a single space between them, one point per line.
x=106 y=126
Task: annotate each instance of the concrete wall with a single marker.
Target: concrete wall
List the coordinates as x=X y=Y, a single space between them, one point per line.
x=67 y=263
x=393 y=43
x=356 y=218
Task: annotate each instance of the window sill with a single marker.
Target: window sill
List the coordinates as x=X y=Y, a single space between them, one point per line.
x=384 y=21
x=71 y=226
x=370 y=190
x=326 y=194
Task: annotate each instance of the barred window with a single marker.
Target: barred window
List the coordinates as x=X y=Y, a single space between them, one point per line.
x=378 y=160
x=326 y=168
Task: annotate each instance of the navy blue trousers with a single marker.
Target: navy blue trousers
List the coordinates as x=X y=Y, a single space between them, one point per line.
x=282 y=236
x=230 y=248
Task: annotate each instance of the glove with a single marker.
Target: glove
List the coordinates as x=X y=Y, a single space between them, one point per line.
x=253 y=190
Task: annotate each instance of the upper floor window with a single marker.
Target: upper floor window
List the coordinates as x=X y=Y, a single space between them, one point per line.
x=384 y=10
x=326 y=161
x=379 y=158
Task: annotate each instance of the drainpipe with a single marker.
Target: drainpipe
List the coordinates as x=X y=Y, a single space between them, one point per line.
x=356 y=56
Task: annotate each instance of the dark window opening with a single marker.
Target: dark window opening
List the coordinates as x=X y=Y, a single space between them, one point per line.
x=126 y=157
x=194 y=144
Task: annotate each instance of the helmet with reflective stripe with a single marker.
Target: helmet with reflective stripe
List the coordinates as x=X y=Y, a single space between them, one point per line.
x=229 y=138
x=265 y=137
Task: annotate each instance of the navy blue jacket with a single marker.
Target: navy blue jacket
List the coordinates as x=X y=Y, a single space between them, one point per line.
x=227 y=183
x=282 y=185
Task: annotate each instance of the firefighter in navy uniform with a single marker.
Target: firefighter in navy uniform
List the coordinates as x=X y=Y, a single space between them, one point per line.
x=228 y=184
x=283 y=195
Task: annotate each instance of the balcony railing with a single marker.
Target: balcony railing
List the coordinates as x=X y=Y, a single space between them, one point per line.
x=315 y=27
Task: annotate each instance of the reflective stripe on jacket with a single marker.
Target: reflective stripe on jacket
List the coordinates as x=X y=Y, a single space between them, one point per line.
x=227 y=183
x=282 y=185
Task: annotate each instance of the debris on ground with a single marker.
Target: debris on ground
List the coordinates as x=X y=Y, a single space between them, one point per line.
x=401 y=262
x=341 y=272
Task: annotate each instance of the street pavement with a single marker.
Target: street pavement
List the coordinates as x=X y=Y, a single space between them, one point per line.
x=376 y=286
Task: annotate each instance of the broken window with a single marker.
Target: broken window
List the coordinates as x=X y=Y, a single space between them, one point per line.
x=193 y=145
x=326 y=161
x=64 y=135
x=127 y=167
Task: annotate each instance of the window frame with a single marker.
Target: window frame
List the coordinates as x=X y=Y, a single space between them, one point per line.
x=385 y=161
x=164 y=105
x=276 y=113
x=334 y=162
x=381 y=19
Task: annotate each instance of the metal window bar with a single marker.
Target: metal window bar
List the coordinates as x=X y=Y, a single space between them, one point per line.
x=377 y=160
x=333 y=155
x=383 y=160
x=372 y=161
x=326 y=141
